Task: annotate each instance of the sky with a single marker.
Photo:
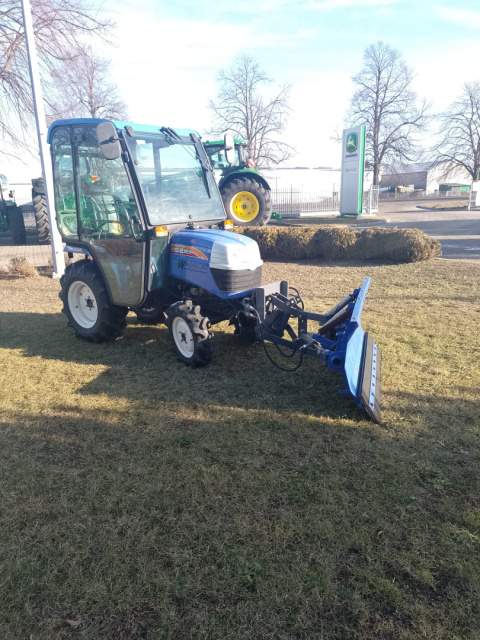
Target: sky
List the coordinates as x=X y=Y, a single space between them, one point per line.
x=168 y=55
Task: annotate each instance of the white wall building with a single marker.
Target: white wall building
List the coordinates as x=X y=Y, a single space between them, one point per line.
x=426 y=177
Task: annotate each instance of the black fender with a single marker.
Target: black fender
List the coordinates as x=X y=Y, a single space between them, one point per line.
x=242 y=174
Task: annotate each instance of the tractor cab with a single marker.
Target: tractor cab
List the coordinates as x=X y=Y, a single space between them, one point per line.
x=121 y=189
x=217 y=153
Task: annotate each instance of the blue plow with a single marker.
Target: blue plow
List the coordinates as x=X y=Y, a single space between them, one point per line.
x=340 y=341
x=355 y=354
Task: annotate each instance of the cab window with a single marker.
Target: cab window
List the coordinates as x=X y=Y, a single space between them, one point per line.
x=64 y=189
x=107 y=206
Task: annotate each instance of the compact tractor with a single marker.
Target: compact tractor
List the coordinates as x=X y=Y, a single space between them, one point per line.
x=11 y=216
x=142 y=205
x=245 y=193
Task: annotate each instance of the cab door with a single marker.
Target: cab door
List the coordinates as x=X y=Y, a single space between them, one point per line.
x=109 y=220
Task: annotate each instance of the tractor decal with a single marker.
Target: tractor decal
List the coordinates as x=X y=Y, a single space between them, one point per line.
x=191 y=252
x=190 y=264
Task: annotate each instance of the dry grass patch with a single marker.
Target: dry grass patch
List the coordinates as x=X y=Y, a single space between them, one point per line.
x=142 y=499
x=20 y=268
x=446 y=206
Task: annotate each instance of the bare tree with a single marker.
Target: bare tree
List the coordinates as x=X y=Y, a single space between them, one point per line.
x=58 y=26
x=242 y=108
x=460 y=127
x=385 y=102
x=83 y=89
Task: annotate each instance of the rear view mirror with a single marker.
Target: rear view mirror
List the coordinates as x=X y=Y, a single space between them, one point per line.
x=229 y=148
x=108 y=140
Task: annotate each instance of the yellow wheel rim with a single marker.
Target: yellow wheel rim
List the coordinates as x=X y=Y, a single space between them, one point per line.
x=245 y=206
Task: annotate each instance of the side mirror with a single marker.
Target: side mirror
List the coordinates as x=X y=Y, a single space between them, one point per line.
x=229 y=148
x=108 y=140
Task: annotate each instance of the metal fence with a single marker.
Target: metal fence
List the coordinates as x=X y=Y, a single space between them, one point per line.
x=421 y=194
x=370 y=200
x=472 y=200
x=295 y=203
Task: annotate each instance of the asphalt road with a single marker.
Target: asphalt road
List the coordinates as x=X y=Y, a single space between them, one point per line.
x=457 y=231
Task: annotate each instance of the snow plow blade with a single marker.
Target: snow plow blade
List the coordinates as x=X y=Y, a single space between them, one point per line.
x=357 y=356
x=340 y=341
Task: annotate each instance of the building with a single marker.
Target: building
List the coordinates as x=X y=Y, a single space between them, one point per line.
x=428 y=177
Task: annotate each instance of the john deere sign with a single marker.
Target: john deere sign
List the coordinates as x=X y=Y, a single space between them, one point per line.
x=353 y=163
x=352 y=142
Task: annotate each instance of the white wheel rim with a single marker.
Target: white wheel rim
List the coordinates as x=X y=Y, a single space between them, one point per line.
x=82 y=304
x=183 y=337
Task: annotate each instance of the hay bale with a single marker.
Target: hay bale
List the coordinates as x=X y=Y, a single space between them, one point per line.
x=300 y=243
x=333 y=243
x=281 y=243
x=396 y=245
x=21 y=268
x=342 y=243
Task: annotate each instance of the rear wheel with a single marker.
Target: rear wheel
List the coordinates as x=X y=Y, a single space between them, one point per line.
x=86 y=304
x=16 y=224
x=190 y=334
x=41 y=217
x=247 y=202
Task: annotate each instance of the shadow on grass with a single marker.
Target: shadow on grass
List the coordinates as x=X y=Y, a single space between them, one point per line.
x=142 y=365
x=150 y=523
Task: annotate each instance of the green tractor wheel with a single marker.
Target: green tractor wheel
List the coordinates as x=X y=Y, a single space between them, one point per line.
x=16 y=224
x=40 y=210
x=246 y=202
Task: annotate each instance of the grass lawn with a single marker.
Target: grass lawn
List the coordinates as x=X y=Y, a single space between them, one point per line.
x=140 y=499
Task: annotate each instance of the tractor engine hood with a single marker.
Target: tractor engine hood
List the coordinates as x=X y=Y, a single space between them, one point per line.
x=221 y=262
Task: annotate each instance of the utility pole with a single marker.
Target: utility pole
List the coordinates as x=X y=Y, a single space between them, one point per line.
x=55 y=238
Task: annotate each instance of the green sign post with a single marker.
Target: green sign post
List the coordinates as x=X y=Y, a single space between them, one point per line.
x=353 y=168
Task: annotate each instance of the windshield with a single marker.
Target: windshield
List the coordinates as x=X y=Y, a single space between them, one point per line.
x=173 y=180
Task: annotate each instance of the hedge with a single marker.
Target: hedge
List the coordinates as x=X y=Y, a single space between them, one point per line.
x=343 y=243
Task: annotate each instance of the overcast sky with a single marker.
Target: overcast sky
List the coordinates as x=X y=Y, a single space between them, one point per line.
x=169 y=54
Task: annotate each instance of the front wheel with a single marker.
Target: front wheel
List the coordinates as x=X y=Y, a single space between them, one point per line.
x=190 y=334
x=247 y=202
x=86 y=304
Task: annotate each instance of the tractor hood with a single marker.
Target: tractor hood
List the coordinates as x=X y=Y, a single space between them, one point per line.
x=223 y=263
x=223 y=249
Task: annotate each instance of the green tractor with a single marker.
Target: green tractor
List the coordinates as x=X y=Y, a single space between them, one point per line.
x=11 y=216
x=245 y=193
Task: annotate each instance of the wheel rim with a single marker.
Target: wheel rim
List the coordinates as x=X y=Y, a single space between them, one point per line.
x=82 y=304
x=245 y=206
x=183 y=337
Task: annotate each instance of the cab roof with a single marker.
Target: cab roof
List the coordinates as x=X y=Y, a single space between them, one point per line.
x=220 y=143
x=119 y=124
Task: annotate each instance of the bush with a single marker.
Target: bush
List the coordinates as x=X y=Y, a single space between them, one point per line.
x=343 y=243
x=21 y=268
